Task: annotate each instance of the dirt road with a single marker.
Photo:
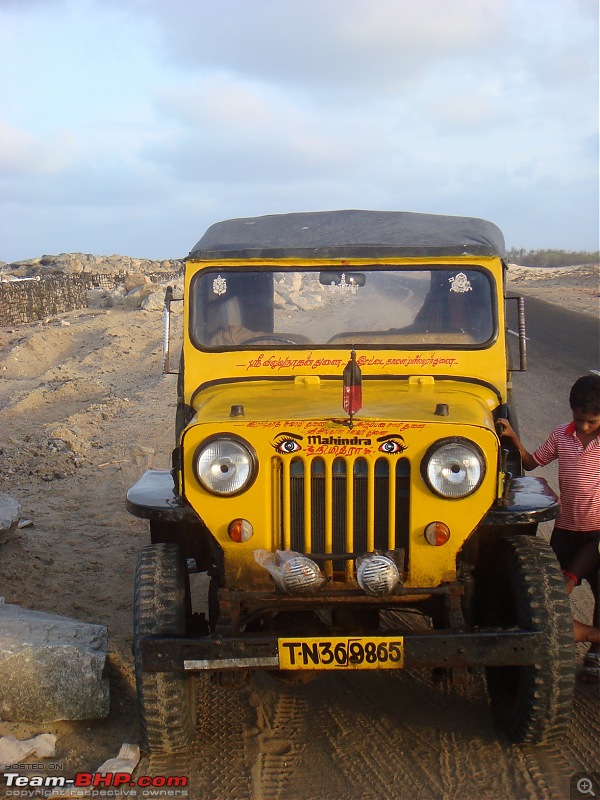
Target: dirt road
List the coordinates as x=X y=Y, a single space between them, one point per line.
x=83 y=412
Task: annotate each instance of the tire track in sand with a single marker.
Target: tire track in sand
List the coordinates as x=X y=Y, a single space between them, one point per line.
x=277 y=741
x=221 y=768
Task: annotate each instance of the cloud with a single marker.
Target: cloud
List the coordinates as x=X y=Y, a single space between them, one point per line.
x=328 y=46
x=222 y=101
x=135 y=125
x=227 y=129
x=24 y=153
x=290 y=87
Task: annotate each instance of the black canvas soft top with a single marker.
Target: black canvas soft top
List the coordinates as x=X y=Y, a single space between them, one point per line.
x=339 y=234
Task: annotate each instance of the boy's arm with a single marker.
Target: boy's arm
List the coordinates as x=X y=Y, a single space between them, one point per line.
x=506 y=430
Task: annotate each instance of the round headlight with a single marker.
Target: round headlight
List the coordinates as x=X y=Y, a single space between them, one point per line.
x=224 y=466
x=453 y=468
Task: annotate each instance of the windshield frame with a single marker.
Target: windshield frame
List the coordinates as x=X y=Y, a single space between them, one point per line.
x=223 y=268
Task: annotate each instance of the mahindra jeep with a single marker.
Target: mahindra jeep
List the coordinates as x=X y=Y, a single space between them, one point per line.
x=337 y=465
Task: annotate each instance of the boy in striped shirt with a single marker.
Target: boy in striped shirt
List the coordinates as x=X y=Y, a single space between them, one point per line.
x=576 y=535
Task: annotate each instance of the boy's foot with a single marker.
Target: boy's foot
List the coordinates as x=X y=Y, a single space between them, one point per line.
x=590 y=672
x=586 y=633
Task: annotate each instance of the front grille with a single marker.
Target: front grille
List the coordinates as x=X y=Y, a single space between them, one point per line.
x=342 y=506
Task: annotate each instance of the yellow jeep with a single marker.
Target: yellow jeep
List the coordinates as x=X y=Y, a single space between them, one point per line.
x=337 y=464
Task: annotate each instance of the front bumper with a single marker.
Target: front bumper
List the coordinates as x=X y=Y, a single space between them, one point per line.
x=154 y=497
x=439 y=648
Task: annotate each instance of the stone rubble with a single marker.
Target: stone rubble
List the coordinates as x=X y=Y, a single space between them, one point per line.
x=9 y=517
x=51 y=667
x=74 y=263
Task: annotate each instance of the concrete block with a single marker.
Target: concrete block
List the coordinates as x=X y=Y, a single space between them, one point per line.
x=9 y=517
x=51 y=667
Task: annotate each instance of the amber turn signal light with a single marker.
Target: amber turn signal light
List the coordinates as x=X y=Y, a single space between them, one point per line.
x=437 y=533
x=240 y=530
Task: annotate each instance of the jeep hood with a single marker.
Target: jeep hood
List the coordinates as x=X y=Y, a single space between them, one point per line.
x=422 y=399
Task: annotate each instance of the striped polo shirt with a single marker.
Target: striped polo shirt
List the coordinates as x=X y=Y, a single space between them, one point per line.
x=578 y=477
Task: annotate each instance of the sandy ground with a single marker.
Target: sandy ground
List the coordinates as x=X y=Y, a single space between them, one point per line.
x=84 y=410
x=577 y=288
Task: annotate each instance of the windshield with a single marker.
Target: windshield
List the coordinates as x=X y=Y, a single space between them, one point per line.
x=392 y=308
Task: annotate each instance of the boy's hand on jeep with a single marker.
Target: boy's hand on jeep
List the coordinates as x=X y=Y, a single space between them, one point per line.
x=504 y=427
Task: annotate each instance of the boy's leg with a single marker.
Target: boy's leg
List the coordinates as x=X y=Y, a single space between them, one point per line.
x=564 y=546
x=586 y=562
x=593 y=578
x=591 y=662
x=574 y=556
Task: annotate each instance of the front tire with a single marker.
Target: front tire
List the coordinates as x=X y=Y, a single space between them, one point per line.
x=166 y=701
x=525 y=588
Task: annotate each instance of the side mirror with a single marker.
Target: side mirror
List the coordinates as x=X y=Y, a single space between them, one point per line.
x=167 y=329
x=521 y=332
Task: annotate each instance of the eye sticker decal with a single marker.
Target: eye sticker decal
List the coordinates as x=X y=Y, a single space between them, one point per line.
x=392 y=445
x=287 y=443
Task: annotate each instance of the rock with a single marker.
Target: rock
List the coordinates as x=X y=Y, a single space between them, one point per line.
x=73 y=263
x=154 y=301
x=278 y=300
x=135 y=279
x=51 y=667
x=306 y=303
x=133 y=299
x=9 y=517
x=68 y=439
x=291 y=291
x=136 y=297
x=99 y=298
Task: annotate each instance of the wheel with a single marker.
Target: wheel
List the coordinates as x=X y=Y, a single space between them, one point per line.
x=269 y=337
x=161 y=605
x=525 y=588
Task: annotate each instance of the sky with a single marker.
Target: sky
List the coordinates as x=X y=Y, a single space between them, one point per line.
x=130 y=126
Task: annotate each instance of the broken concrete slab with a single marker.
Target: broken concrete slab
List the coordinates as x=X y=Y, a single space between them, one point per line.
x=51 y=667
x=9 y=517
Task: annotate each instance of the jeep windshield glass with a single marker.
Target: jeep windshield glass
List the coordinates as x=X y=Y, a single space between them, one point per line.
x=391 y=308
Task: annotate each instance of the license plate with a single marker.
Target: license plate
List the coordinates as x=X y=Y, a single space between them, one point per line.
x=342 y=652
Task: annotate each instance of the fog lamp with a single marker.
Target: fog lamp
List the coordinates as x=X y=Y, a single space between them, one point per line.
x=300 y=575
x=240 y=530
x=292 y=572
x=377 y=574
x=437 y=533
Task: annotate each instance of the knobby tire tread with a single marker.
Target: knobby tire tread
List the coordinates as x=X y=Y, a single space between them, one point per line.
x=166 y=701
x=533 y=703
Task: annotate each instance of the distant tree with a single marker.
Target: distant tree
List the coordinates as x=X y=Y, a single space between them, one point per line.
x=551 y=258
